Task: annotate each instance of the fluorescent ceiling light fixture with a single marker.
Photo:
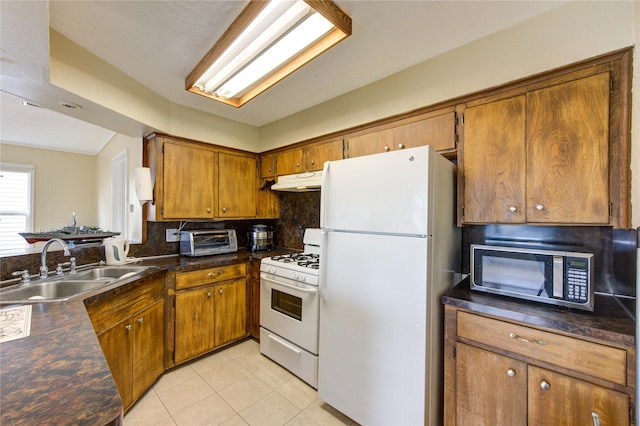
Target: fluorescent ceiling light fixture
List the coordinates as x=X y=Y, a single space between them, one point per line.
x=266 y=43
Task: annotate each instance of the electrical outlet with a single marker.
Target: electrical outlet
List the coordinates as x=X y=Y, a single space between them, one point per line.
x=172 y=235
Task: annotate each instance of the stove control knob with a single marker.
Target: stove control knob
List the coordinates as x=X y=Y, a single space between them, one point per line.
x=272 y=270
x=302 y=278
x=295 y=275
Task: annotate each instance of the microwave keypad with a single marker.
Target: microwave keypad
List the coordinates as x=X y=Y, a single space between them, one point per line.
x=577 y=280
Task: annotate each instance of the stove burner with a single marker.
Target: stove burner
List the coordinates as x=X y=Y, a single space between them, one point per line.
x=307 y=260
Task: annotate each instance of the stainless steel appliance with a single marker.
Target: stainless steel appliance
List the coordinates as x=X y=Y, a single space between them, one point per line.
x=207 y=242
x=389 y=251
x=260 y=238
x=557 y=277
x=289 y=309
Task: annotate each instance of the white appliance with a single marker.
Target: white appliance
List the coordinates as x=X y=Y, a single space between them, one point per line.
x=390 y=248
x=289 y=309
x=301 y=182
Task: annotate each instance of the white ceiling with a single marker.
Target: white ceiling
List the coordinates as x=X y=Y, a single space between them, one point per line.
x=158 y=43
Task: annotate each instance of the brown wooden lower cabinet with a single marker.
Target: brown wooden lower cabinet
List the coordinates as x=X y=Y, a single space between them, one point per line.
x=508 y=373
x=254 y=299
x=130 y=329
x=210 y=309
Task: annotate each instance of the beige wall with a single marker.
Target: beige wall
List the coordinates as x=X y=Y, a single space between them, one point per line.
x=133 y=148
x=571 y=33
x=64 y=183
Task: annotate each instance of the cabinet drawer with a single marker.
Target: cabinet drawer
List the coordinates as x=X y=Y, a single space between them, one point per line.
x=210 y=275
x=108 y=312
x=596 y=360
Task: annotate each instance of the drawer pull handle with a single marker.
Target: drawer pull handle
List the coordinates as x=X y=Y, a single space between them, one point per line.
x=596 y=419
x=544 y=385
x=511 y=372
x=526 y=339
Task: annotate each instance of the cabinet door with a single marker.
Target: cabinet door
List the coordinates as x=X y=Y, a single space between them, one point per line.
x=568 y=152
x=315 y=156
x=493 y=166
x=289 y=162
x=117 y=345
x=230 y=311
x=370 y=143
x=490 y=388
x=253 y=295
x=236 y=186
x=194 y=323
x=188 y=183
x=555 y=398
x=267 y=166
x=148 y=347
x=438 y=131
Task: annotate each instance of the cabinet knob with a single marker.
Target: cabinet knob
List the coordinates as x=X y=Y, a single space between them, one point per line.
x=539 y=207
x=544 y=385
x=210 y=274
x=140 y=320
x=208 y=294
x=386 y=148
x=127 y=327
x=513 y=209
x=297 y=164
x=511 y=372
x=401 y=145
x=224 y=210
x=313 y=162
x=208 y=209
x=220 y=291
x=270 y=170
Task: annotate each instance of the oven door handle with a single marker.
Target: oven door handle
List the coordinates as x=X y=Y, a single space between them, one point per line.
x=292 y=287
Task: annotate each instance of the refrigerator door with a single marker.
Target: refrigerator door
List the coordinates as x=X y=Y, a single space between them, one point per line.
x=374 y=326
x=385 y=193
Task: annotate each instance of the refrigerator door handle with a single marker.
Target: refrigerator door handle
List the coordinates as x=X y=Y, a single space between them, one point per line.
x=322 y=278
x=324 y=193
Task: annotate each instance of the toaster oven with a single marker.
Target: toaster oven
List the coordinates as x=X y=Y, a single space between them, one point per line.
x=208 y=242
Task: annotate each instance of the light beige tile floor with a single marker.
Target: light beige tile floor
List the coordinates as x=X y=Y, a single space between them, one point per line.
x=234 y=386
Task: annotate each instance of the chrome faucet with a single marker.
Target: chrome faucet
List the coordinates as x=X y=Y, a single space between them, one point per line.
x=44 y=271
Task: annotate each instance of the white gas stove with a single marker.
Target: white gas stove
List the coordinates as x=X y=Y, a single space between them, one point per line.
x=290 y=308
x=302 y=267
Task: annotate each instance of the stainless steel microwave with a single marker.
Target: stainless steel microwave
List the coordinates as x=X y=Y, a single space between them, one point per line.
x=556 y=277
x=207 y=242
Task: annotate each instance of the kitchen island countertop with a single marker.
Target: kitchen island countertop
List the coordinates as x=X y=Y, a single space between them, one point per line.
x=58 y=374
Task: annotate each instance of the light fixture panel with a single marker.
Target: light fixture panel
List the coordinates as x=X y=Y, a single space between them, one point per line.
x=256 y=51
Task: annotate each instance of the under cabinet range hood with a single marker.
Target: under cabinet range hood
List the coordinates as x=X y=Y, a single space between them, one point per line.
x=300 y=182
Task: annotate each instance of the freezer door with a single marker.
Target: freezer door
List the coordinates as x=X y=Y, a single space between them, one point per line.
x=374 y=327
x=386 y=193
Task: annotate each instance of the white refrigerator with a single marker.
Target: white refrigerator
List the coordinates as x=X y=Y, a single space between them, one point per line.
x=390 y=249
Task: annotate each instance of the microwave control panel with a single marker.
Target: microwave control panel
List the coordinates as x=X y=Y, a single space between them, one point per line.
x=577 y=279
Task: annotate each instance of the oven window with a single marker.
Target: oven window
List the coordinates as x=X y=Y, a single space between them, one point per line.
x=286 y=304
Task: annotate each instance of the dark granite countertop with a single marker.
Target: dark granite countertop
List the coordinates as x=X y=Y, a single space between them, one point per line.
x=58 y=374
x=611 y=321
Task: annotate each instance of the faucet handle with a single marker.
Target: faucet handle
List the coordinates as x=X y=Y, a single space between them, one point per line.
x=72 y=267
x=59 y=270
x=25 y=278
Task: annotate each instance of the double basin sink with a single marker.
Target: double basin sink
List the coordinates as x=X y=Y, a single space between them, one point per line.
x=57 y=289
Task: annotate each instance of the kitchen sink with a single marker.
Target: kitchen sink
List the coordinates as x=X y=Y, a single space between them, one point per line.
x=107 y=273
x=56 y=289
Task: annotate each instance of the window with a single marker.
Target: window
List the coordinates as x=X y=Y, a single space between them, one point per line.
x=16 y=205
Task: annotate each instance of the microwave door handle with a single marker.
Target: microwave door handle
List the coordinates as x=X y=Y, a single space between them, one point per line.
x=293 y=287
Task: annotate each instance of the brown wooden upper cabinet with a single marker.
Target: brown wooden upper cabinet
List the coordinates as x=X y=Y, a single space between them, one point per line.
x=314 y=156
x=289 y=162
x=308 y=158
x=539 y=157
x=437 y=128
x=188 y=179
x=267 y=166
x=236 y=186
x=196 y=181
